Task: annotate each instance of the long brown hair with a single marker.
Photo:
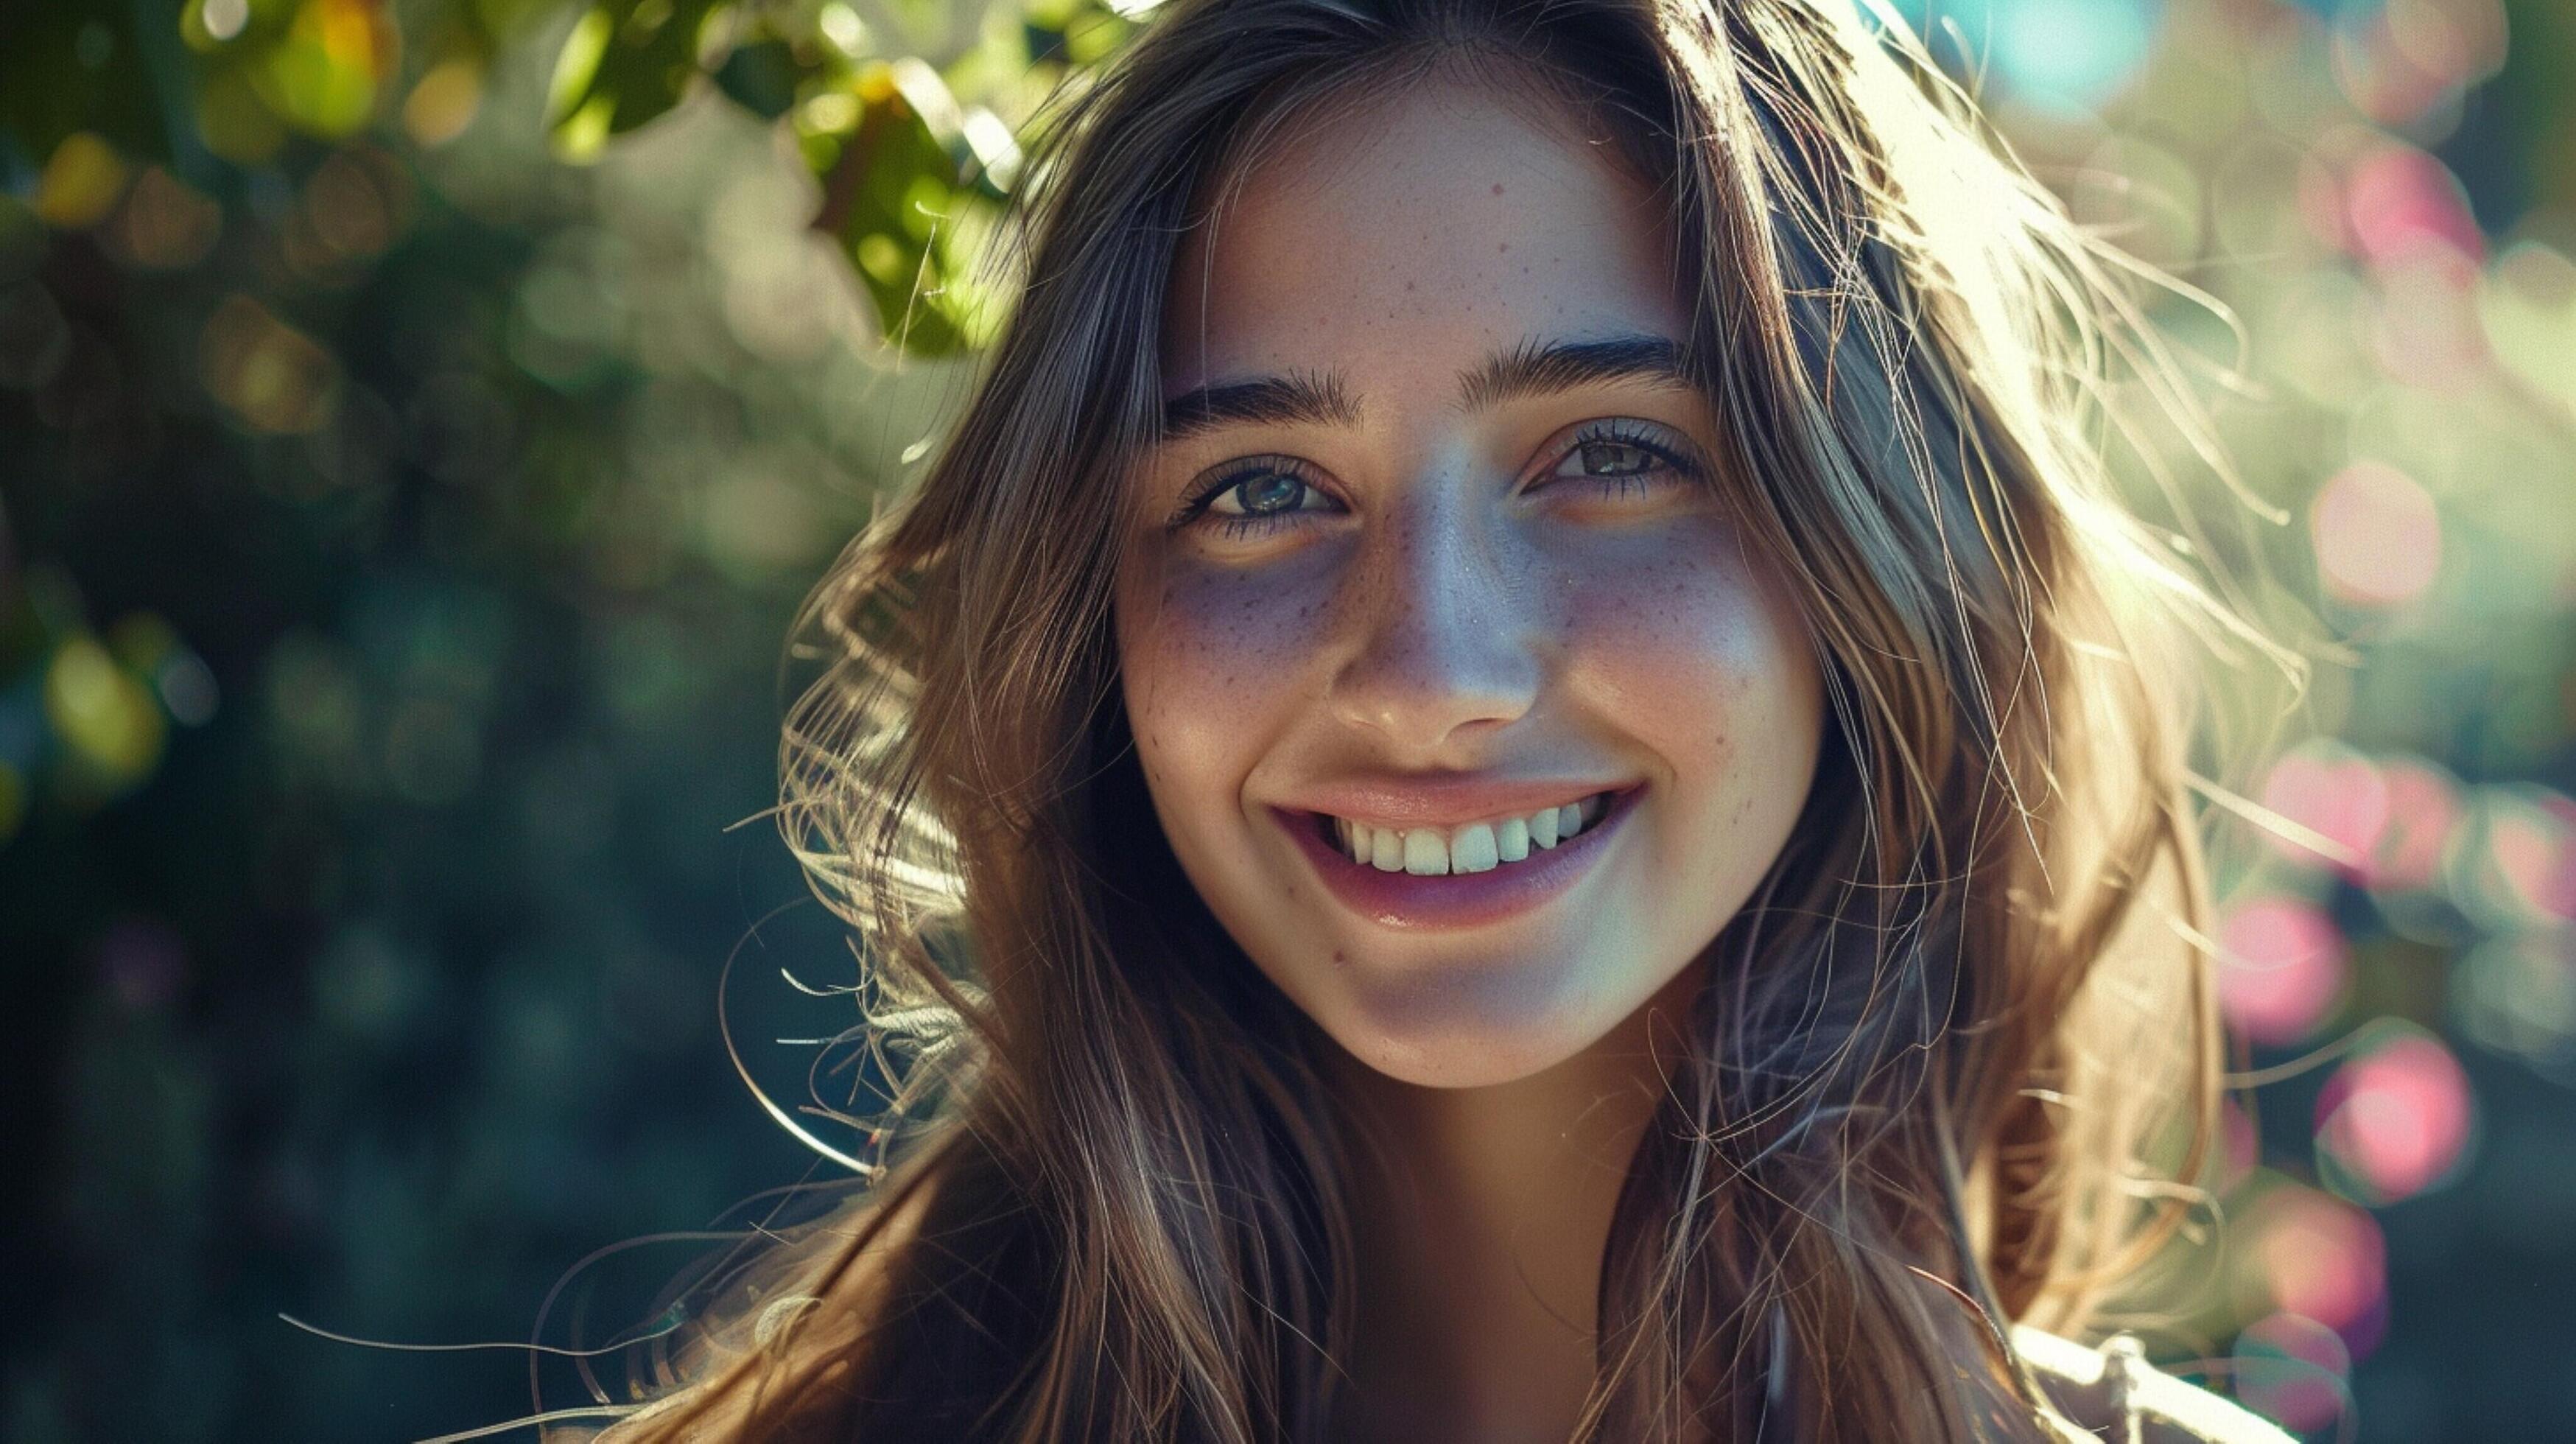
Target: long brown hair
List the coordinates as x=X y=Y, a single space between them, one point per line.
x=1109 y=1199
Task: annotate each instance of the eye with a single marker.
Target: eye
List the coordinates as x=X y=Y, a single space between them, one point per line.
x=1619 y=458
x=1260 y=495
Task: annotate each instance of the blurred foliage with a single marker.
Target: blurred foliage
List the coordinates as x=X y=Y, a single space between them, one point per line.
x=419 y=418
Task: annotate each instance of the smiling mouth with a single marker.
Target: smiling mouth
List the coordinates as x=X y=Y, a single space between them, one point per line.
x=1436 y=879
x=1481 y=846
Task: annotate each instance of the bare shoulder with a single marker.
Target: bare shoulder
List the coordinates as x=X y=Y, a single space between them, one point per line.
x=2114 y=1392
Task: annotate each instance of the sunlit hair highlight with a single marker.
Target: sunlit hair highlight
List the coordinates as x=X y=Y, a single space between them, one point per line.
x=1957 y=1066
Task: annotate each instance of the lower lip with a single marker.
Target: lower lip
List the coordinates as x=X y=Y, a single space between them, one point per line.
x=1455 y=900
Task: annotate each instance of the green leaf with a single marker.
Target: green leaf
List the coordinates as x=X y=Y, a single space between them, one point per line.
x=577 y=64
x=762 y=77
x=625 y=63
x=895 y=183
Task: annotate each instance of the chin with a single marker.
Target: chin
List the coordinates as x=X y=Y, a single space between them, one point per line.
x=1458 y=1067
x=1475 y=1028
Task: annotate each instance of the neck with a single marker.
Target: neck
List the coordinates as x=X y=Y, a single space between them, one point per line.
x=1480 y=1219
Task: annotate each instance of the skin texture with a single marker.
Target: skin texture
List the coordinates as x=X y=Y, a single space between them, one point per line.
x=1457 y=593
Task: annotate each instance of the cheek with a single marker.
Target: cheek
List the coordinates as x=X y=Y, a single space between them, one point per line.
x=1699 y=654
x=1211 y=660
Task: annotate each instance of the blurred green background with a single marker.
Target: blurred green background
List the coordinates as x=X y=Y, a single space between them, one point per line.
x=419 y=419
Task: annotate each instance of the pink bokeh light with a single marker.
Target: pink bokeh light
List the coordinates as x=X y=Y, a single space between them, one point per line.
x=2280 y=968
x=2330 y=790
x=2423 y=810
x=2455 y=41
x=2292 y=1370
x=2324 y=1260
x=2399 y=61
x=2377 y=535
x=2531 y=855
x=2396 y=1119
x=2400 y=201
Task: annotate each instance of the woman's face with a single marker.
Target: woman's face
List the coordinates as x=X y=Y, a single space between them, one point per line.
x=1461 y=700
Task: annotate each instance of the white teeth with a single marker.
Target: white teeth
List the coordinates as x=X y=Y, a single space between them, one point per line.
x=1474 y=847
x=1426 y=853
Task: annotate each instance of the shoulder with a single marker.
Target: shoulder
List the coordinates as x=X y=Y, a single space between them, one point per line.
x=2114 y=1386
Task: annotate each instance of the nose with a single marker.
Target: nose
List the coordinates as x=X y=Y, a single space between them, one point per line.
x=1448 y=640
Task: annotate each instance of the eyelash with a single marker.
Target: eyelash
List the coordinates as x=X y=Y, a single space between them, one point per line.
x=1614 y=432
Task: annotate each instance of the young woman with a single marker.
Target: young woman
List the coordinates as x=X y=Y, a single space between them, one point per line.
x=1513 y=781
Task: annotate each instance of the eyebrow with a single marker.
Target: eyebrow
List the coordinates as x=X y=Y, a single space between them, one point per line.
x=1530 y=368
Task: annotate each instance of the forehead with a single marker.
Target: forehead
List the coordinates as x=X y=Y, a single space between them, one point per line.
x=1392 y=237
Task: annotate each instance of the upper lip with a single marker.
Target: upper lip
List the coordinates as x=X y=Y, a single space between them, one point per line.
x=1446 y=799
